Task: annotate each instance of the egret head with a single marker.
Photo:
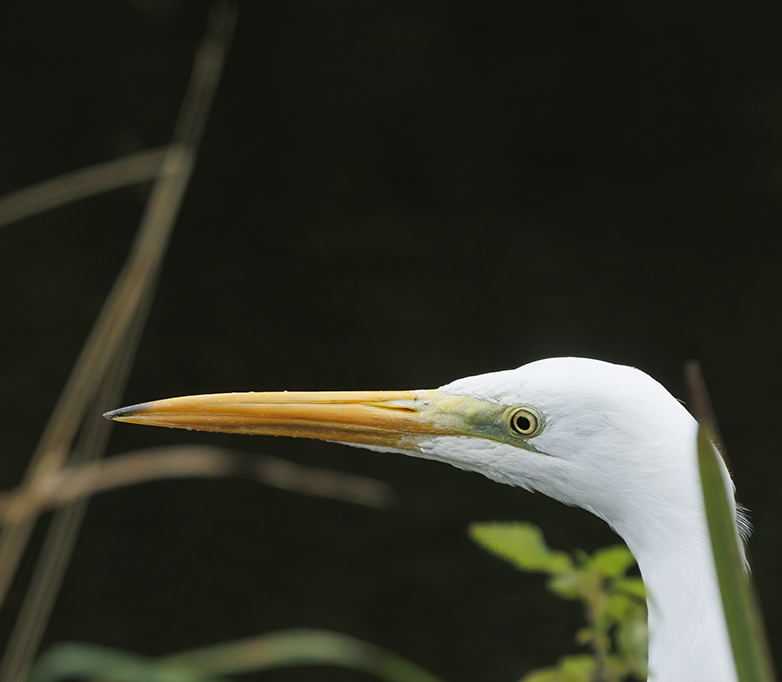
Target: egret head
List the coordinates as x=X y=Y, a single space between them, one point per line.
x=585 y=432
x=606 y=435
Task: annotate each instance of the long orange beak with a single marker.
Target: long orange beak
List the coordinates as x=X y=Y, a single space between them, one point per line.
x=384 y=419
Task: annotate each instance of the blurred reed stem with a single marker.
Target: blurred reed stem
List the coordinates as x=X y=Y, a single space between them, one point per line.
x=107 y=355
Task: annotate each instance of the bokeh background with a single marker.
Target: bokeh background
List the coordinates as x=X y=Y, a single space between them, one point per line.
x=391 y=195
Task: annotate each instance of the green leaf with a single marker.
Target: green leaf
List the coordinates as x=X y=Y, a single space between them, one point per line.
x=585 y=635
x=632 y=638
x=568 y=585
x=741 y=612
x=579 y=668
x=66 y=661
x=620 y=606
x=522 y=545
x=633 y=587
x=275 y=650
x=612 y=562
x=301 y=647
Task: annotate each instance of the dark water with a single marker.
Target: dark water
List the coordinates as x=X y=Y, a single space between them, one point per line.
x=391 y=195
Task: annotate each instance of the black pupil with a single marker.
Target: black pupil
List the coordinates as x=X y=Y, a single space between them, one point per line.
x=523 y=423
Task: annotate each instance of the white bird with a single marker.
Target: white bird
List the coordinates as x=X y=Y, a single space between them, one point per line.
x=604 y=437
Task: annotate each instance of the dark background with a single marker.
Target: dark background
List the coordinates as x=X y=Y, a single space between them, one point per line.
x=391 y=195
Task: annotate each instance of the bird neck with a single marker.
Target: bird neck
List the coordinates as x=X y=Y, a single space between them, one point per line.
x=688 y=634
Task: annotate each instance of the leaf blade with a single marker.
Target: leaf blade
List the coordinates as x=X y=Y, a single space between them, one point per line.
x=741 y=611
x=520 y=544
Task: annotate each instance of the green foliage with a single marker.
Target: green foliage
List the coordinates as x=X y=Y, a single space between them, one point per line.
x=569 y=669
x=255 y=654
x=66 y=661
x=522 y=545
x=614 y=604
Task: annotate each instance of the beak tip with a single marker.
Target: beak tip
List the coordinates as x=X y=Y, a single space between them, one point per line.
x=121 y=413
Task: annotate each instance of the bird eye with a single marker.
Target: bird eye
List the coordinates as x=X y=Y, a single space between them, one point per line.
x=525 y=422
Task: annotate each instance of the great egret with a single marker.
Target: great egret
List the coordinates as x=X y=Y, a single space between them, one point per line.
x=604 y=437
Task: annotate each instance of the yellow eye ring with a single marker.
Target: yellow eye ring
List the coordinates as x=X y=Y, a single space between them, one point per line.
x=525 y=422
